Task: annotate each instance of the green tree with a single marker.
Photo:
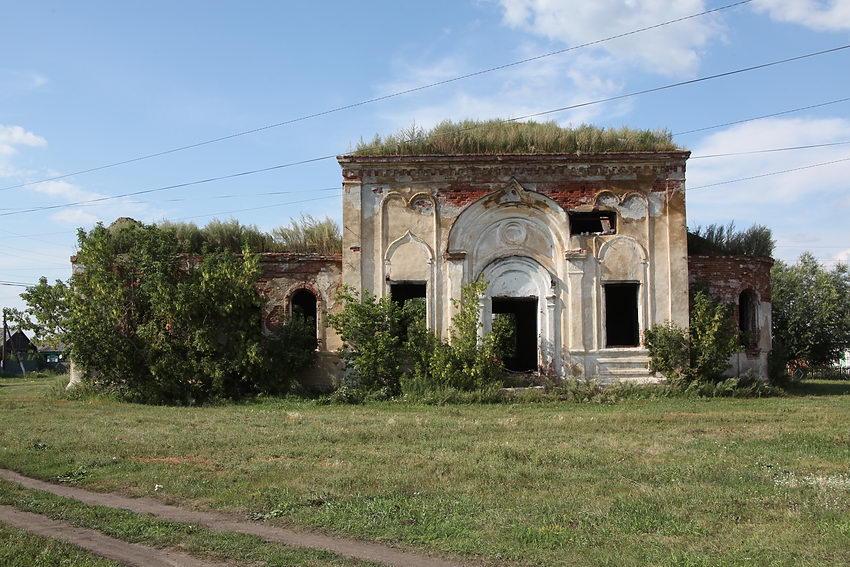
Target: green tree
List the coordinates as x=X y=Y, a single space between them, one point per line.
x=46 y=314
x=166 y=328
x=373 y=347
x=811 y=311
x=698 y=354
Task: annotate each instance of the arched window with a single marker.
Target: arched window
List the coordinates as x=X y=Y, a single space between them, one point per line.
x=303 y=306
x=747 y=318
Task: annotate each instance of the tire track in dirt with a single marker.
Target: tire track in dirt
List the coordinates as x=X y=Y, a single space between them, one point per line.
x=131 y=554
x=346 y=547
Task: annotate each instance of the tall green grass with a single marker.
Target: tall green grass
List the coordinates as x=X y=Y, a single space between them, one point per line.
x=499 y=137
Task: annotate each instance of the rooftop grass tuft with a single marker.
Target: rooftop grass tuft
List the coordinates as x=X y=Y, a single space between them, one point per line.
x=500 y=137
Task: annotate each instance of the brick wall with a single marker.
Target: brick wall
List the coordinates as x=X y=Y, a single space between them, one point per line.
x=727 y=276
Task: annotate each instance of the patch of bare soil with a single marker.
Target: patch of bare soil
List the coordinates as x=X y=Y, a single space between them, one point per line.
x=133 y=554
x=346 y=547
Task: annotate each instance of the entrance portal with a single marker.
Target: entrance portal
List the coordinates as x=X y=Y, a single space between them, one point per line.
x=515 y=318
x=304 y=307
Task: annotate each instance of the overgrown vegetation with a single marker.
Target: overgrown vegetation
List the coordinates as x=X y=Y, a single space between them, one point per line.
x=388 y=350
x=719 y=239
x=307 y=235
x=696 y=355
x=152 y=326
x=811 y=313
x=310 y=234
x=500 y=137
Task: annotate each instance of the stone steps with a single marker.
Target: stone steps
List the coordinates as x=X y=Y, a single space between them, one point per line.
x=623 y=368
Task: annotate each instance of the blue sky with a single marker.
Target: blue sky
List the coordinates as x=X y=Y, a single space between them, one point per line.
x=85 y=84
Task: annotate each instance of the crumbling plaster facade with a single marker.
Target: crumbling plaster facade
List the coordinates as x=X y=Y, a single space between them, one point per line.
x=447 y=220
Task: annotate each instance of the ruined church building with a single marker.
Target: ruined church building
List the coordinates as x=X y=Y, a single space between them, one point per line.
x=585 y=250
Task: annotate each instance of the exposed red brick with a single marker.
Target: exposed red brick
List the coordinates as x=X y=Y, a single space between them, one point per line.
x=727 y=276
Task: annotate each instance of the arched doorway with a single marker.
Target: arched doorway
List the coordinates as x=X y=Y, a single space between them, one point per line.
x=304 y=307
x=747 y=325
x=520 y=298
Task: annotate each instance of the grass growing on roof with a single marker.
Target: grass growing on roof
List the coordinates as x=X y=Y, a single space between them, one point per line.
x=499 y=137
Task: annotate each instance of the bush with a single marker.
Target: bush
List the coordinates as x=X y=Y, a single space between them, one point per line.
x=699 y=354
x=157 y=328
x=371 y=332
x=388 y=350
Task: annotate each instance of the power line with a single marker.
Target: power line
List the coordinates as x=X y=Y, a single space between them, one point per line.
x=175 y=186
x=257 y=208
x=206 y=197
x=682 y=83
x=769 y=174
x=514 y=119
x=780 y=113
x=380 y=98
x=810 y=146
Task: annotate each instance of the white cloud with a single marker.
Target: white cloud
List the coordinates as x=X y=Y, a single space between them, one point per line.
x=63 y=189
x=14 y=80
x=12 y=136
x=670 y=50
x=772 y=133
x=89 y=213
x=801 y=208
x=828 y=15
x=530 y=88
x=75 y=216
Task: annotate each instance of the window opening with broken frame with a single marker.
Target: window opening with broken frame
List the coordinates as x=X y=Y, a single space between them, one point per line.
x=594 y=222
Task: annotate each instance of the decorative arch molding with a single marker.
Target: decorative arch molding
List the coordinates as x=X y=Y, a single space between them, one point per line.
x=408 y=237
x=427 y=273
x=620 y=242
x=522 y=222
x=632 y=205
x=321 y=308
x=522 y=277
x=421 y=220
x=623 y=260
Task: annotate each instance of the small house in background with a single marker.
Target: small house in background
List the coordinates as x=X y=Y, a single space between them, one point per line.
x=18 y=355
x=53 y=357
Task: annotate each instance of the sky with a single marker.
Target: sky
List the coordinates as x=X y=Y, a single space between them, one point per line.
x=87 y=84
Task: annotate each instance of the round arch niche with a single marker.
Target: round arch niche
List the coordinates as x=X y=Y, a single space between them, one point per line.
x=522 y=290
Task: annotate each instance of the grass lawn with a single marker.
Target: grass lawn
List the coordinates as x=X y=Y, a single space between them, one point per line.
x=22 y=549
x=664 y=482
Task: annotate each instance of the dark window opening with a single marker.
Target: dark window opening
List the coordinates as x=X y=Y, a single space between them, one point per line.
x=515 y=321
x=304 y=309
x=621 y=315
x=402 y=292
x=595 y=222
x=747 y=318
x=410 y=296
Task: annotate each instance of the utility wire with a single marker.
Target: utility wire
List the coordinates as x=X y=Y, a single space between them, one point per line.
x=761 y=117
x=681 y=83
x=810 y=146
x=175 y=186
x=257 y=208
x=514 y=119
x=769 y=174
x=380 y=98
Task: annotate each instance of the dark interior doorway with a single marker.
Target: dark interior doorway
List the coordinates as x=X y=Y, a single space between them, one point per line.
x=518 y=315
x=621 y=315
x=304 y=307
x=401 y=292
x=747 y=318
